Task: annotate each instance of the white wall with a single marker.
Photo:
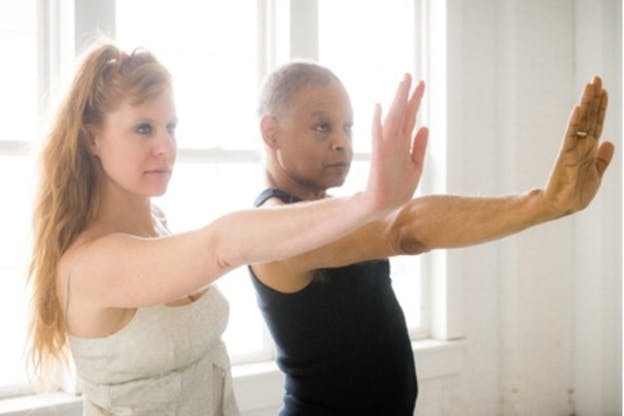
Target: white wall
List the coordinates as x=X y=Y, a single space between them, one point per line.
x=597 y=298
x=542 y=310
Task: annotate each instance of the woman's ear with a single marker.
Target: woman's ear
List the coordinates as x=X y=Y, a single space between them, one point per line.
x=269 y=129
x=91 y=136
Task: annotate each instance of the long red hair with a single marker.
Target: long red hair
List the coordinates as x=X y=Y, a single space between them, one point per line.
x=67 y=196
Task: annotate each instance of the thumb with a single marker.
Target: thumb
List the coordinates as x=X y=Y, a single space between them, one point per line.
x=376 y=127
x=419 y=145
x=604 y=154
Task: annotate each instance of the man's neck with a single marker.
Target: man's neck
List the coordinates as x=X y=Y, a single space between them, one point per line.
x=289 y=185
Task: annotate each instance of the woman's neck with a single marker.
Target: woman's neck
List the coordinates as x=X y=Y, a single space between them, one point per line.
x=123 y=212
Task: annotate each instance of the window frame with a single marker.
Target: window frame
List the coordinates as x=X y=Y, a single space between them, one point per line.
x=48 y=35
x=65 y=25
x=304 y=39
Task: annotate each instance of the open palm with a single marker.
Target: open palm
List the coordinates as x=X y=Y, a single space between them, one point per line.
x=398 y=152
x=582 y=159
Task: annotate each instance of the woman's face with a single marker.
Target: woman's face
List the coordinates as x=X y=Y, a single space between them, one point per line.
x=314 y=137
x=136 y=145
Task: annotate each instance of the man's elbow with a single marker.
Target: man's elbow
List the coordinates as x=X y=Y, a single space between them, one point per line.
x=408 y=244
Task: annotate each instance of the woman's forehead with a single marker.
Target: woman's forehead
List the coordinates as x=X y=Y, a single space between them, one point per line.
x=160 y=106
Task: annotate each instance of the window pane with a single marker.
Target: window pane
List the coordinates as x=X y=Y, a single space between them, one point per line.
x=404 y=270
x=406 y=282
x=18 y=106
x=14 y=255
x=18 y=83
x=198 y=194
x=210 y=48
x=369 y=45
x=371 y=63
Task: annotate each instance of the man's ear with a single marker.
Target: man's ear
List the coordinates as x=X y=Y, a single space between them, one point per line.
x=269 y=129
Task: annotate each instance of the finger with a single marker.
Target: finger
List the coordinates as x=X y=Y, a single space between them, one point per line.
x=419 y=146
x=588 y=93
x=376 y=127
x=592 y=114
x=604 y=156
x=412 y=108
x=597 y=81
x=570 y=137
x=594 y=105
x=601 y=114
x=393 y=120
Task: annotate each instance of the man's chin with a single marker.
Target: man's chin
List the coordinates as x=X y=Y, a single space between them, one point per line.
x=335 y=182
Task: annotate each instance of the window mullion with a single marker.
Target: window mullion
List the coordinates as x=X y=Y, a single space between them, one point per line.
x=216 y=155
x=304 y=41
x=93 y=18
x=48 y=44
x=14 y=148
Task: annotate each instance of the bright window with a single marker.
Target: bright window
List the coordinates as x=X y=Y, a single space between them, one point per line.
x=217 y=52
x=211 y=50
x=19 y=107
x=370 y=45
x=216 y=78
x=18 y=83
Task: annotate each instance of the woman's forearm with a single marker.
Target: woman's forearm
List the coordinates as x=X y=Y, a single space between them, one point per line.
x=276 y=233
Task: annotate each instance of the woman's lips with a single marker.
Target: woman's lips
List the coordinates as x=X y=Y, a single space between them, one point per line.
x=163 y=171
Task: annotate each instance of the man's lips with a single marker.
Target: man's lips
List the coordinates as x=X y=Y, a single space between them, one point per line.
x=338 y=165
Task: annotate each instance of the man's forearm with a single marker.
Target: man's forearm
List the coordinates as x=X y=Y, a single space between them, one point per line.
x=447 y=221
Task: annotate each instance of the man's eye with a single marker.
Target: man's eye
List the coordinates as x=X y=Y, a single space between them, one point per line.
x=145 y=129
x=323 y=128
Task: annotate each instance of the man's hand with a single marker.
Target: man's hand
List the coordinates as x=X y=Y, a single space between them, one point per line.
x=582 y=160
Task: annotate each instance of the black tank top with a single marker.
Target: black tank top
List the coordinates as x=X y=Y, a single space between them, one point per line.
x=342 y=341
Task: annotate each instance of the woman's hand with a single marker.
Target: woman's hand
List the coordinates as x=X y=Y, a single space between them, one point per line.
x=397 y=157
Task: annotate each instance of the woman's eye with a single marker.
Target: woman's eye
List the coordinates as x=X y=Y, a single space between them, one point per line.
x=171 y=128
x=144 y=129
x=348 y=128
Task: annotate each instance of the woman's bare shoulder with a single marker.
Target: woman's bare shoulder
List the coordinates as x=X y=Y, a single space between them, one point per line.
x=81 y=247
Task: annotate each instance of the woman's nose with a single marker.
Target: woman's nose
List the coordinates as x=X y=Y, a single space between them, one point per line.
x=165 y=144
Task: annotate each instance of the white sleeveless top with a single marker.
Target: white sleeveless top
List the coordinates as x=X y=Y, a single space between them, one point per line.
x=166 y=361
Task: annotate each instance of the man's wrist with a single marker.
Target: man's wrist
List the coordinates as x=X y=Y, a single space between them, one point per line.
x=542 y=210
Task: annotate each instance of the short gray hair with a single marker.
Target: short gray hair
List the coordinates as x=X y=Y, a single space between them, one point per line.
x=281 y=85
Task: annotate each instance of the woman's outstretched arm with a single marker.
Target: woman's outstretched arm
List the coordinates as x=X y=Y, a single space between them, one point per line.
x=125 y=271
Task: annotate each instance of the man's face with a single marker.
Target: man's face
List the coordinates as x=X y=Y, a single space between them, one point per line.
x=314 y=137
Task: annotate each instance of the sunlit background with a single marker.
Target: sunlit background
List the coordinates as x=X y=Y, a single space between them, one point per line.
x=216 y=55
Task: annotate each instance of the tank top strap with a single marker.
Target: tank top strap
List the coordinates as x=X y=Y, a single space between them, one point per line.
x=67 y=295
x=275 y=193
